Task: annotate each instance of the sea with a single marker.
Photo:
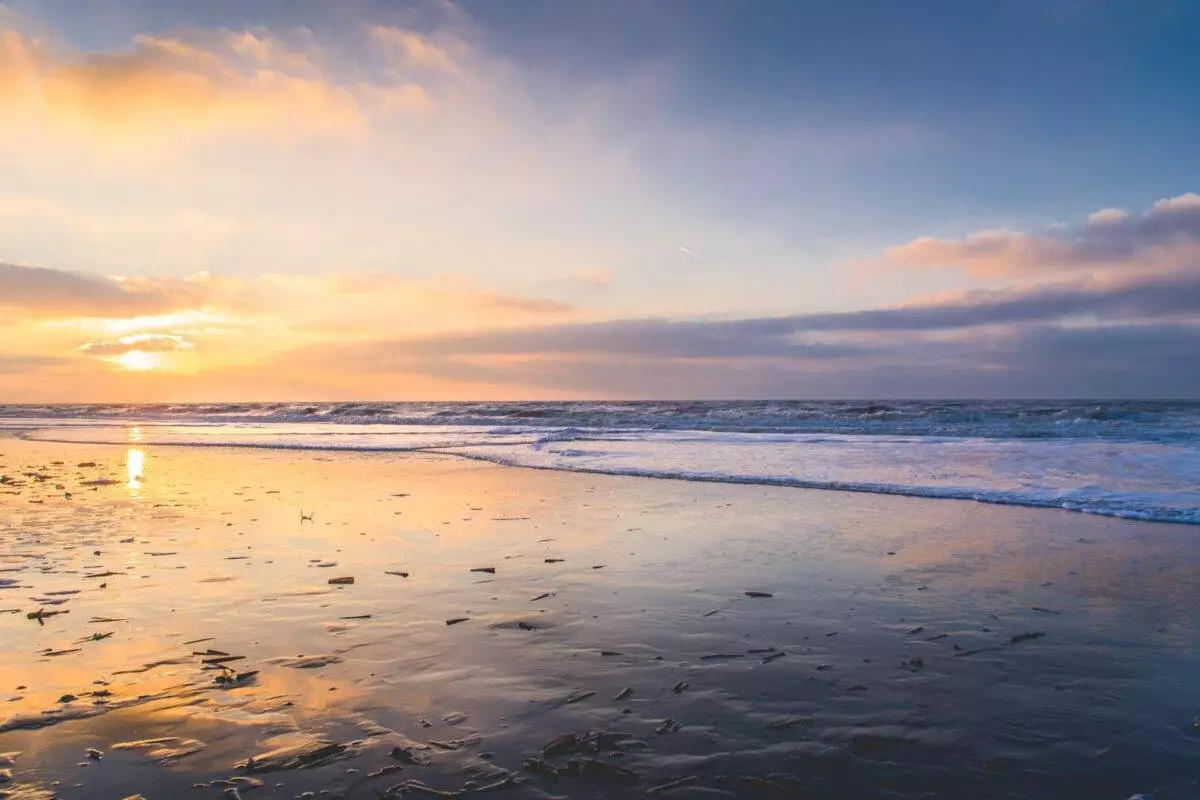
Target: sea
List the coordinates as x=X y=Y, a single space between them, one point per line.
x=1131 y=459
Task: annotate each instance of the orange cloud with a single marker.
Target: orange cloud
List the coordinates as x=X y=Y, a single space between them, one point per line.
x=194 y=83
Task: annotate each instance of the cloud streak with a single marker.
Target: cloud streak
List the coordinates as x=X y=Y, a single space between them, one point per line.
x=1137 y=360
x=784 y=336
x=1072 y=339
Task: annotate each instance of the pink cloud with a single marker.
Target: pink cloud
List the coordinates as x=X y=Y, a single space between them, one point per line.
x=1167 y=236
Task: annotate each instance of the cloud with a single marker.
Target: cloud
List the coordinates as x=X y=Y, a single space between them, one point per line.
x=1133 y=361
x=146 y=343
x=439 y=149
x=194 y=83
x=1068 y=339
x=804 y=337
x=625 y=338
x=1165 y=236
x=413 y=49
x=533 y=305
x=38 y=291
x=1141 y=297
x=156 y=302
x=23 y=364
x=211 y=322
x=373 y=334
x=384 y=304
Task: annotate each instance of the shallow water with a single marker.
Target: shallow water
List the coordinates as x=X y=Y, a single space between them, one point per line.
x=210 y=544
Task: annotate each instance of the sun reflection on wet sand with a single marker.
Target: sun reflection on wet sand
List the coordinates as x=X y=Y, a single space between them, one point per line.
x=135 y=466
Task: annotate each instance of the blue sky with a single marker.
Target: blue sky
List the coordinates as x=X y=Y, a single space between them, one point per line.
x=624 y=160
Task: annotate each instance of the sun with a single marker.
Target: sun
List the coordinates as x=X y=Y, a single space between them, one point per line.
x=138 y=360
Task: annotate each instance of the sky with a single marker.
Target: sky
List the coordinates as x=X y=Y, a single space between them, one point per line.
x=426 y=199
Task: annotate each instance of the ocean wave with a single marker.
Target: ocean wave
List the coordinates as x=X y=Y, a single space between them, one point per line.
x=1125 y=420
x=1147 y=480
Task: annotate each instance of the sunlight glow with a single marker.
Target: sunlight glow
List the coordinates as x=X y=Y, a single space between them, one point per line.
x=138 y=360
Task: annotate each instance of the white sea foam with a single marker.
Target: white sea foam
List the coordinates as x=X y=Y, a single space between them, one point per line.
x=1137 y=480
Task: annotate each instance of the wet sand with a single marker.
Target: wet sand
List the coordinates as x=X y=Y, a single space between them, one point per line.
x=908 y=648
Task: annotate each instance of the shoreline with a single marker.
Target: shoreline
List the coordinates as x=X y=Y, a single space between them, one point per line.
x=218 y=538
x=788 y=483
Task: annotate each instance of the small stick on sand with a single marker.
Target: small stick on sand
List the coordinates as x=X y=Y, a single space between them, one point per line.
x=666 y=787
x=578 y=697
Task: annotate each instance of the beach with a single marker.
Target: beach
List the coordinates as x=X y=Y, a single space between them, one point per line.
x=740 y=640
x=599 y=399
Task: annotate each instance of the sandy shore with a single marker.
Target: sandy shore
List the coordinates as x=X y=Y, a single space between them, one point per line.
x=909 y=648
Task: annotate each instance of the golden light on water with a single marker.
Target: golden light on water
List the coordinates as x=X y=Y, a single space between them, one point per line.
x=135 y=464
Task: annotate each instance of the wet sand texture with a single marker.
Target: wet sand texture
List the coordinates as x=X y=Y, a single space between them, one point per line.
x=270 y=624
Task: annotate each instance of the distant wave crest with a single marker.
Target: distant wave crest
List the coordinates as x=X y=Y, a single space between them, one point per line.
x=1125 y=420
